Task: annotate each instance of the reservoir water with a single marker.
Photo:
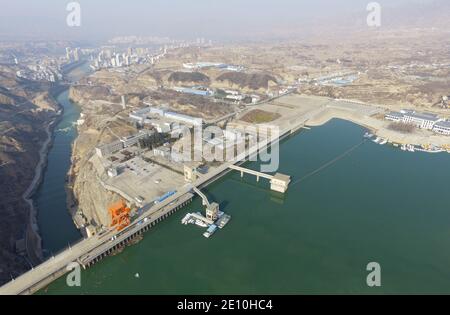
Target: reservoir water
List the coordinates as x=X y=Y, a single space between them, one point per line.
x=375 y=204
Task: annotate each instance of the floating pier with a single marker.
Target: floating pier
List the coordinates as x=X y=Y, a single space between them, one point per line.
x=214 y=217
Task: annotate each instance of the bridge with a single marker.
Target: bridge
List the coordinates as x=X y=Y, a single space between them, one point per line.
x=278 y=182
x=212 y=209
x=205 y=200
x=91 y=250
x=252 y=172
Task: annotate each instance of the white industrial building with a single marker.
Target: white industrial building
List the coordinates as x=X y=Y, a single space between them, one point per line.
x=184 y=118
x=442 y=127
x=237 y=98
x=162 y=152
x=141 y=116
x=134 y=139
x=160 y=126
x=421 y=120
x=394 y=116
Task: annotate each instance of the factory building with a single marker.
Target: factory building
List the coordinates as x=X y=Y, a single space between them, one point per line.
x=141 y=116
x=442 y=127
x=157 y=111
x=184 y=118
x=421 y=120
x=108 y=149
x=113 y=147
x=163 y=152
x=394 y=116
x=194 y=91
x=161 y=127
x=134 y=139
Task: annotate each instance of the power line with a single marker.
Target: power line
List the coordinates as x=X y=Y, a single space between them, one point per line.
x=328 y=164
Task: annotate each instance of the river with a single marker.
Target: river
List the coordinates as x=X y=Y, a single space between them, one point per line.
x=56 y=226
x=376 y=204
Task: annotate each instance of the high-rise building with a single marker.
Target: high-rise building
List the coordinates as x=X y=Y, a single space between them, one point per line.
x=76 y=54
x=68 y=51
x=128 y=60
x=118 y=62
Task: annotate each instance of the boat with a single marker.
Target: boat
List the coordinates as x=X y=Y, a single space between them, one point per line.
x=377 y=140
x=410 y=148
x=403 y=147
x=223 y=221
x=200 y=223
x=186 y=218
x=210 y=231
x=383 y=141
x=368 y=135
x=435 y=149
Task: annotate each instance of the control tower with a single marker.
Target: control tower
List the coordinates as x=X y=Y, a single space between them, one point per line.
x=212 y=211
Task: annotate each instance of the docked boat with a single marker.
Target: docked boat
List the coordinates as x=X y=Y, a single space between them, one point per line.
x=210 y=231
x=368 y=135
x=223 y=220
x=410 y=148
x=435 y=149
x=403 y=147
x=186 y=218
x=377 y=140
x=383 y=141
x=200 y=223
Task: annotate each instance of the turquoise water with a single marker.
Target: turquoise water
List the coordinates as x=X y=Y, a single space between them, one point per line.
x=376 y=204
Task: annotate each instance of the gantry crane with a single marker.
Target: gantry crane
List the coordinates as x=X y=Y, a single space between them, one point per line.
x=120 y=215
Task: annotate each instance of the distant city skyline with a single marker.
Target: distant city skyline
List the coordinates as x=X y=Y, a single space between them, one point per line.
x=217 y=19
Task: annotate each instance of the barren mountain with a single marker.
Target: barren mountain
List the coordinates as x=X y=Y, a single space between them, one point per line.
x=253 y=81
x=189 y=77
x=23 y=123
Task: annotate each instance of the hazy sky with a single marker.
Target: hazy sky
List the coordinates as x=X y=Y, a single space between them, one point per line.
x=174 y=18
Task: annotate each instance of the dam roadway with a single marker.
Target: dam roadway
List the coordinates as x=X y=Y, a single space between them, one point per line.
x=90 y=250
